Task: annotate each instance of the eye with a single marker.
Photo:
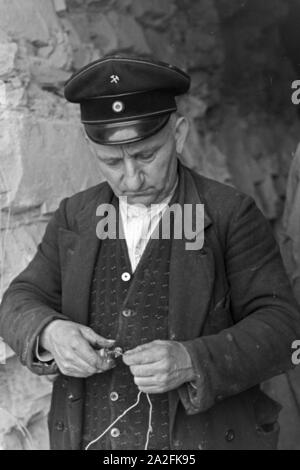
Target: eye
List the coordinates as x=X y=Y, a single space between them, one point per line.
x=147 y=156
x=113 y=162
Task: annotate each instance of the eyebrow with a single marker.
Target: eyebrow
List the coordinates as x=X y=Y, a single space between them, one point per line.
x=146 y=151
x=134 y=154
x=106 y=158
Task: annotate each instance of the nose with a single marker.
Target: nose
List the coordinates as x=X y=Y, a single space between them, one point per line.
x=132 y=179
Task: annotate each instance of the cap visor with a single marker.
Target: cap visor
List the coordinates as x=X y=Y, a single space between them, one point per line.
x=125 y=132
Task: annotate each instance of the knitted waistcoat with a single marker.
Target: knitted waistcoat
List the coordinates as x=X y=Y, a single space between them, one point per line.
x=133 y=309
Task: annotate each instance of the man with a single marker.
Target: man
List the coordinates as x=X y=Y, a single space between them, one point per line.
x=195 y=330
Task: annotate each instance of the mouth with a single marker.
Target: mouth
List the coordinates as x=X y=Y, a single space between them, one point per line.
x=144 y=193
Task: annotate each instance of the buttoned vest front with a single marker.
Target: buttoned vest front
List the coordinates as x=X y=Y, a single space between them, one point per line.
x=131 y=308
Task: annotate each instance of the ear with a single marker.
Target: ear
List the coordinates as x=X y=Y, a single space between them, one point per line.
x=181 y=133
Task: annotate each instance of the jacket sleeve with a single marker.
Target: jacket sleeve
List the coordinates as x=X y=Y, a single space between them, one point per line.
x=264 y=314
x=33 y=298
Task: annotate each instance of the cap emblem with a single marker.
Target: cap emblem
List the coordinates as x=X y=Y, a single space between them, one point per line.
x=118 y=106
x=114 y=79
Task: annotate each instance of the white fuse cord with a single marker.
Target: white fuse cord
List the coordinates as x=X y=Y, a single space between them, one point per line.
x=122 y=415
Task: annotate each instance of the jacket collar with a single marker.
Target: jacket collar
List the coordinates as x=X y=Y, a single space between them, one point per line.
x=87 y=218
x=188 y=194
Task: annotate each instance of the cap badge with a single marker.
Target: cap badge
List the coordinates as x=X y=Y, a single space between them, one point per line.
x=114 y=79
x=118 y=106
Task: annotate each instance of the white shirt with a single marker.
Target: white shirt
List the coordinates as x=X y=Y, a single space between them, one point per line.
x=139 y=223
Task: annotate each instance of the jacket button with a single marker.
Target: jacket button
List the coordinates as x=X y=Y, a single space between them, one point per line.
x=71 y=397
x=59 y=425
x=115 y=432
x=229 y=435
x=114 y=396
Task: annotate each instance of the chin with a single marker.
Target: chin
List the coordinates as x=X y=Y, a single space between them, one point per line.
x=146 y=199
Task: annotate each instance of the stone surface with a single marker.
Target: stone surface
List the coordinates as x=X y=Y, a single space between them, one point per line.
x=7 y=58
x=34 y=20
x=24 y=404
x=129 y=33
x=47 y=154
x=60 y=5
x=105 y=34
x=18 y=245
x=47 y=76
x=154 y=13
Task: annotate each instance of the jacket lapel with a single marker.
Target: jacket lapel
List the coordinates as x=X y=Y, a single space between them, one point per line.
x=191 y=272
x=191 y=281
x=80 y=268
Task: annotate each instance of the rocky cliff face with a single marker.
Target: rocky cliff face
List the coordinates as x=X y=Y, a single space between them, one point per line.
x=244 y=128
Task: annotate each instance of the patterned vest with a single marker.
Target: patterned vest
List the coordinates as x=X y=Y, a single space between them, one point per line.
x=133 y=309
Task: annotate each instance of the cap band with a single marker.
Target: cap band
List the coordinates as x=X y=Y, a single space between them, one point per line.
x=124 y=107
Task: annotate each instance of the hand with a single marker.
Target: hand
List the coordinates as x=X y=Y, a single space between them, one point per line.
x=159 y=366
x=72 y=346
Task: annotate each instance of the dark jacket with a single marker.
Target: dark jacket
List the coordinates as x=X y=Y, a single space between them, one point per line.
x=230 y=303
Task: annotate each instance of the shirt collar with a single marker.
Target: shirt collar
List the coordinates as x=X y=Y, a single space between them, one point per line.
x=137 y=210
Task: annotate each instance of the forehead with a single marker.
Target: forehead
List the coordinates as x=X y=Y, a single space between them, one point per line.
x=150 y=144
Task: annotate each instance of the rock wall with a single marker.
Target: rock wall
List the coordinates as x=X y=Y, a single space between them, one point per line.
x=44 y=158
x=244 y=128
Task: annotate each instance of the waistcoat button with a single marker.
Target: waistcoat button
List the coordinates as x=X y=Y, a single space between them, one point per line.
x=115 y=432
x=59 y=425
x=229 y=435
x=114 y=396
x=127 y=312
x=125 y=277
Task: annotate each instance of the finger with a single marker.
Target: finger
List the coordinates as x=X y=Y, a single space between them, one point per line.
x=79 y=348
x=146 y=381
x=84 y=366
x=147 y=356
x=91 y=357
x=140 y=348
x=147 y=370
x=155 y=388
x=96 y=340
x=152 y=389
x=77 y=366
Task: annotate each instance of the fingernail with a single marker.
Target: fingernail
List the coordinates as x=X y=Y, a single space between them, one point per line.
x=102 y=352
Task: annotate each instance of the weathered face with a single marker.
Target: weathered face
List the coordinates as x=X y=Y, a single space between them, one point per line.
x=144 y=171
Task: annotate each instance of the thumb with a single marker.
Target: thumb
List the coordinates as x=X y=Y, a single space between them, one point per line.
x=137 y=349
x=96 y=340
